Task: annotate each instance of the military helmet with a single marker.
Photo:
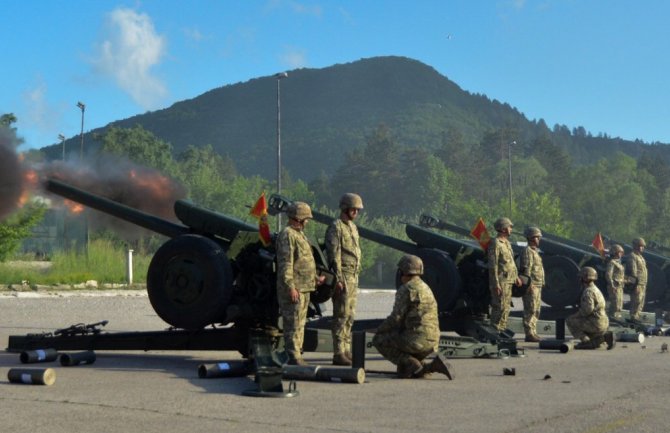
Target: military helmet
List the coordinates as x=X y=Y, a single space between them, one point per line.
x=351 y=201
x=615 y=249
x=502 y=223
x=299 y=210
x=588 y=273
x=411 y=265
x=531 y=232
x=639 y=242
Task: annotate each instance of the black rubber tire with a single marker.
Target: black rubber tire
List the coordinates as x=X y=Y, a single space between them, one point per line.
x=656 y=285
x=190 y=282
x=562 y=288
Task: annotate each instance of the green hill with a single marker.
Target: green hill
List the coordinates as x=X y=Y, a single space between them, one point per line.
x=327 y=112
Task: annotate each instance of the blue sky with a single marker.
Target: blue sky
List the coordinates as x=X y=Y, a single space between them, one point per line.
x=603 y=65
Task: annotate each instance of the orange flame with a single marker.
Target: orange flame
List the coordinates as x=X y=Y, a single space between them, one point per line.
x=30 y=179
x=73 y=207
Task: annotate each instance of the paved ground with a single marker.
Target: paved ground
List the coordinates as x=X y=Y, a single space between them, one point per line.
x=624 y=390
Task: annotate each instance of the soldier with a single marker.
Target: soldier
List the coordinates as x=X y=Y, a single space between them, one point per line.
x=411 y=332
x=296 y=278
x=502 y=273
x=614 y=275
x=589 y=324
x=344 y=256
x=530 y=265
x=637 y=273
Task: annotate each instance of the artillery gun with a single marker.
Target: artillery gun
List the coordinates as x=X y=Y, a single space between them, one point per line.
x=211 y=271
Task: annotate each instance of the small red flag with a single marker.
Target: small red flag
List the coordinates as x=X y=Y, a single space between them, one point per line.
x=260 y=212
x=481 y=234
x=598 y=244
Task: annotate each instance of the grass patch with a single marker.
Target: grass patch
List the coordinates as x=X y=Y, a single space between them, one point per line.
x=104 y=263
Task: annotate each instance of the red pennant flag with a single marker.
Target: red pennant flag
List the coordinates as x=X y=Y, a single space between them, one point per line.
x=481 y=234
x=598 y=244
x=260 y=212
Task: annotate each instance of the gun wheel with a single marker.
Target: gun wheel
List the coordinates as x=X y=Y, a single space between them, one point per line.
x=189 y=282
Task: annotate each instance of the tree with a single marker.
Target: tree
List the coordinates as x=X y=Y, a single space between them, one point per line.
x=205 y=173
x=18 y=227
x=140 y=146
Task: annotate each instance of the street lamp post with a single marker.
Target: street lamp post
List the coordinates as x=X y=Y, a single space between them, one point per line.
x=279 y=76
x=61 y=137
x=82 y=106
x=509 y=162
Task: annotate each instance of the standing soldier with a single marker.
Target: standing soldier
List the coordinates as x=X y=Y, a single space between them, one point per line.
x=530 y=265
x=296 y=278
x=502 y=273
x=614 y=275
x=589 y=324
x=637 y=271
x=412 y=331
x=344 y=257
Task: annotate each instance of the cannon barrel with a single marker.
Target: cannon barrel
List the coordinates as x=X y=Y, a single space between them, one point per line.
x=126 y=213
x=202 y=220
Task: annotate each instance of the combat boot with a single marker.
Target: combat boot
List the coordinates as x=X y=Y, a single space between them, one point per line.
x=411 y=367
x=585 y=345
x=298 y=360
x=609 y=339
x=341 y=359
x=532 y=338
x=440 y=365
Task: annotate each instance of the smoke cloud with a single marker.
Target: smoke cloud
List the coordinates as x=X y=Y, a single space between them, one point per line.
x=11 y=174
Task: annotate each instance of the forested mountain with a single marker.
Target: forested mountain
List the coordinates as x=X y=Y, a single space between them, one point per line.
x=329 y=112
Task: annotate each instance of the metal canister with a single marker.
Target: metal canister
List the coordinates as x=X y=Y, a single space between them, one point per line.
x=32 y=376
x=38 y=355
x=72 y=359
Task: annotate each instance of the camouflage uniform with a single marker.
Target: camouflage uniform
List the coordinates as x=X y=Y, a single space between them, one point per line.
x=295 y=269
x=590 y=322
x=614 y=275
x=637 y=268
x=412 y=328
x=502 y=273
x=344 y=257
x=530 y=264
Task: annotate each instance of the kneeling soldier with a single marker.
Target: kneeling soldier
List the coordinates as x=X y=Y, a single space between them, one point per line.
x=412 y=332
x=590 y=322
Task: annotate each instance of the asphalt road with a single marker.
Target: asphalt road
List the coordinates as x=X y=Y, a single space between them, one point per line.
x=623 y=390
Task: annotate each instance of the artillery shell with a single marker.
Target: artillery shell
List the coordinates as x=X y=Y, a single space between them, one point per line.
x=224 y=369
x=71 y=359
x=300 y=372
x=32 y=376
x=346 y=375
x=631 y=337
x=39 y=355
x=560 y=345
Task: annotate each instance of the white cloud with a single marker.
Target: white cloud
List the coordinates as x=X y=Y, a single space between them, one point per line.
x=193 y=34
x=129 y=49
x=39 y=114
x=302 y=8
x=293 y=57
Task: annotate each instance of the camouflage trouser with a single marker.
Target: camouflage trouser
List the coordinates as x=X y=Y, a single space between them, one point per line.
x=637 y=301
x=500 y=306
x=615 y=300
x=344 y=308
x=532 y=301
x=397 y=347
x=590 y=327
x=294 y=317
